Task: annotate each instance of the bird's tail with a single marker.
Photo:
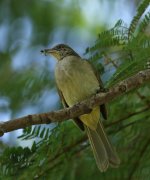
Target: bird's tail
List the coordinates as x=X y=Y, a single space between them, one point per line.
x=104 y=152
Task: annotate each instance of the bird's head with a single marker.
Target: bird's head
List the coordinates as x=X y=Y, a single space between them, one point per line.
x=60 y=51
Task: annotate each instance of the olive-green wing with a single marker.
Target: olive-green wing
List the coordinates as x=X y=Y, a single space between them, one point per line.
x=103 y=108
x=77 y=121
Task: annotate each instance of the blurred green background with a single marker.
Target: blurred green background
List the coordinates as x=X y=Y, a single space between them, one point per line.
x=26 y=27
x=27 y=77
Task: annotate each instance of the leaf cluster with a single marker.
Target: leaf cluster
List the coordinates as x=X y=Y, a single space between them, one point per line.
x=61 y=151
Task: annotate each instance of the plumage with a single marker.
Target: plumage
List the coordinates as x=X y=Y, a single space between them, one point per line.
x=77 y=121
x=76 y=81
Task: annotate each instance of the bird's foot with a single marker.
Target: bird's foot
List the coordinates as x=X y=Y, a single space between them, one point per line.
x=102 y=90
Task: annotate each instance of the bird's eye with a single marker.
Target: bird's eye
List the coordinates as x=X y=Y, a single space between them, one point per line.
x=58 y=47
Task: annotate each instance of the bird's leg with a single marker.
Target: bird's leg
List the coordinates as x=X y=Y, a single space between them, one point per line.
x=102 y=90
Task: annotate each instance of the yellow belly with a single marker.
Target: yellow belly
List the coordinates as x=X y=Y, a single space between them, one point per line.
x=92 y=118
x=78 y=82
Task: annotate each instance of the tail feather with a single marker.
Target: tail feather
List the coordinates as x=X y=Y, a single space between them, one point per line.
x=104 y=152
x=99 y=150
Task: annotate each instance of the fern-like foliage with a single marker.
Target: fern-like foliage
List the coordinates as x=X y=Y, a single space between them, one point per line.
x=124 y=48
x=62 y=151
x=140 y=11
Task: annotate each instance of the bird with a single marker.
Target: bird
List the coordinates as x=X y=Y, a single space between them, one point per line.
x=77 y=80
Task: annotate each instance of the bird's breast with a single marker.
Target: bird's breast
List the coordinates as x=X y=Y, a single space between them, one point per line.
x=76 y=80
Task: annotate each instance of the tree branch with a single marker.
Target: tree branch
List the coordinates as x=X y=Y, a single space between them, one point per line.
x=128 y=116
x=81 y=108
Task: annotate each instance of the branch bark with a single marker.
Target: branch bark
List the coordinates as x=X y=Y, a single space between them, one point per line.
x=81 y=108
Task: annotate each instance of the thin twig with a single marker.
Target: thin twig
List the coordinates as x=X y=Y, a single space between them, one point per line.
x=141 y=154
x=128 y=116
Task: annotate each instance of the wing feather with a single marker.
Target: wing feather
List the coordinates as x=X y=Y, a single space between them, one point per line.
x=77 y=121
x=103 y=108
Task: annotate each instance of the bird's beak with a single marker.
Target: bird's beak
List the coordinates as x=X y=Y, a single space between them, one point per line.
x=52 y=52
x=49 y=51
